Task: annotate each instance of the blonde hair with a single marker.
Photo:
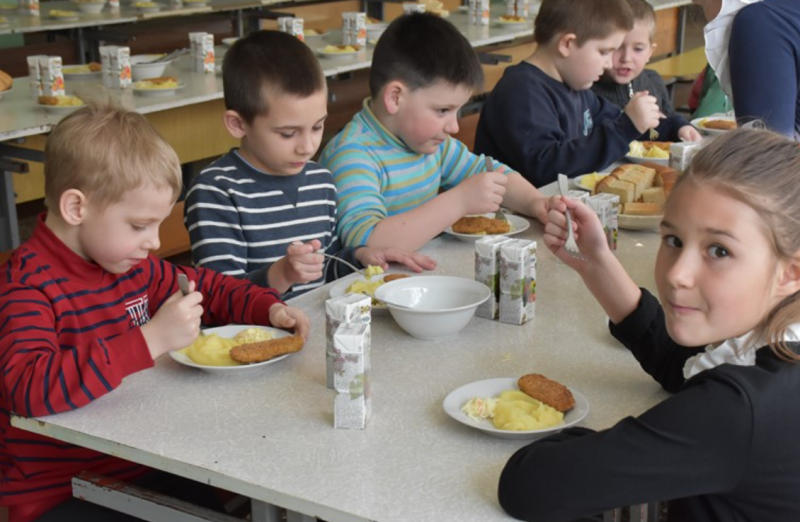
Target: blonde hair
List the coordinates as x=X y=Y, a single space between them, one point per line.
x=104 y=150
x=644 y=12
x=760 y=169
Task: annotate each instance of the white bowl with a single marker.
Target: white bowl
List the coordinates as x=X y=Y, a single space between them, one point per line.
x=90 y=7
x=374 y=31
x=438 y=306
x=143 y=71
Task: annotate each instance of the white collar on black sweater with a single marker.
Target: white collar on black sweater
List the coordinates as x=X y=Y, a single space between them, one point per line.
x=735 y=351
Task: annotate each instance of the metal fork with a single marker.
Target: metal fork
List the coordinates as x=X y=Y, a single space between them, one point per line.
x=499 y=215
x=631 y=93
x=571 y=245
x=342 y=261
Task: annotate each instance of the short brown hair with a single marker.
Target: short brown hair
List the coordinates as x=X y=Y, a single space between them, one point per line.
x=268 y=62
x=421 y=49
x=104 y=151
x=760 y=169
x=643 y=12
x=586 y=19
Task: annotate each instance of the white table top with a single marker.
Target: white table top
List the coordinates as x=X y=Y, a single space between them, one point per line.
x=270 y=435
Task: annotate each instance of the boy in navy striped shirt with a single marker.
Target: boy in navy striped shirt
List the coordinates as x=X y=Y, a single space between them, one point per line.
x=84 y=303
x=262 y=211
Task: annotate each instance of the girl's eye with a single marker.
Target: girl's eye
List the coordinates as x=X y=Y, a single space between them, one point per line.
x=718 y=252
x=317 y=128
x=287 y=135
x=138 y=228
x=443 y=111
x=672 y=241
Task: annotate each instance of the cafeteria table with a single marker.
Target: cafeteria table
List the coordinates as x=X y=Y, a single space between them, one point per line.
x=269 y=435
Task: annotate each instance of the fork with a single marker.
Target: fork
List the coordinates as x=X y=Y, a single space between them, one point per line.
x=183 y=284
x=571 y=245
x=342 y=261
x=631 y=93
x=499 y=215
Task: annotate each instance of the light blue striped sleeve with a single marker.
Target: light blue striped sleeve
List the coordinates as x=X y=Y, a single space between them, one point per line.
x=458 y=163
x=358 y=182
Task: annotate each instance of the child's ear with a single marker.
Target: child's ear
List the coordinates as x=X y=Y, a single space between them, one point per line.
x=235 y=124
x=72 y=206
x=789 y=279
x=393 y=95
x=652 y=50
x=566 y=43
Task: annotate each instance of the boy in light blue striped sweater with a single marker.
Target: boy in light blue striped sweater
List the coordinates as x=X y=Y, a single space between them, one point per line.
x=262 y=211
x=402 y=179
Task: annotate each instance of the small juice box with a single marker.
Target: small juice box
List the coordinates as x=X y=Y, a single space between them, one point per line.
x=523 y=8
x=472 y=10
x=511 y=7
x=487 y=271
x=353 y=309
x=681 y=153
x=606 y=206
x=29 y=7
x=351 y=403
x=52 y=76
x=517 y=281
x=175 y=4
x=578 y=195
x=121 y=76
x=202 y=45
x=413 y=7
x=285 y=23
x=35 y=75
x=348 y=21
x=296 y=29
x=358 y=30
x=483 y=10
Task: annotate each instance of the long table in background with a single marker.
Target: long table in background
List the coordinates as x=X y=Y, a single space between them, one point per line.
x=270 y=436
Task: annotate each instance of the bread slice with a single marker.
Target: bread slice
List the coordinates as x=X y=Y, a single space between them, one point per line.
x=654 y=195
x=642 y=209
x=624 y=189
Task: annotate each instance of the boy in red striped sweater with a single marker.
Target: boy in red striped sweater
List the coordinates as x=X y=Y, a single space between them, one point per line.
x=84 y=303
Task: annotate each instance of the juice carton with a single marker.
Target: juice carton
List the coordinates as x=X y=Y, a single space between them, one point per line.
x=285 y=23
x=578 y=195
x=358 y=30
x=681 y=153
x=483 y=12
x=51 y=75
x=202 y=45
x=296 y=29
x=511 y=7
x=348 y=21
x=606 y=206
x=352 y=309
x=351 y=403
x=121 y=75
x=523 y=8
x=35 y=75
x=487 y=271
x=175 y=4
x=413 y=7
x=517 y=281
x=29 y=7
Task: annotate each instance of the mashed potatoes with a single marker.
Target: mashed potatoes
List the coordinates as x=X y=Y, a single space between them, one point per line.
x=638 y=150
x=513 y=410
x=213 y=350
x=335 y=49
x=369 y=284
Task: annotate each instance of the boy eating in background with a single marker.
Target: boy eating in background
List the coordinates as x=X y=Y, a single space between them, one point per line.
x=542 y=118
x=84 y=303
x=262 y=211
x=628 y=76
x=402 y=178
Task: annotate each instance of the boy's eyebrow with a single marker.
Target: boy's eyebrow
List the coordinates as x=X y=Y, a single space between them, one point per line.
x=300 y=126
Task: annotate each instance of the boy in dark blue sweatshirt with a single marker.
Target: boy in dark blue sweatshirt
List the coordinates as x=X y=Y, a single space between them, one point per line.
x=542 y=118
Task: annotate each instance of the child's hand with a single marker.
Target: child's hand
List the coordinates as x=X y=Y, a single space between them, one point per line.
x=302 y=264
x=588 y=231
x=689 y=133
x=643 y=111
x=289 y=318
x=482 y=192
x=383 y=256
x=176 y=324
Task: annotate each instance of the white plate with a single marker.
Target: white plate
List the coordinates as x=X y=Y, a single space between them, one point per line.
x=508 y=23
x=339 y=288
x=60 y=109
x=518 y=224
x=637 y=159
x=456 y=399
x=230 y=40
x=228 y=332
x=90 y=7
x=89 y=75
x=640 y=222
x=158 y=92
x=698 y=122
x=334 y=56
x=577 y=181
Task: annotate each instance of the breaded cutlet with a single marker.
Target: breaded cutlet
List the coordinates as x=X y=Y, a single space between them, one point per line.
x=547 y=391
x=481 y=225
x=258 y=352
